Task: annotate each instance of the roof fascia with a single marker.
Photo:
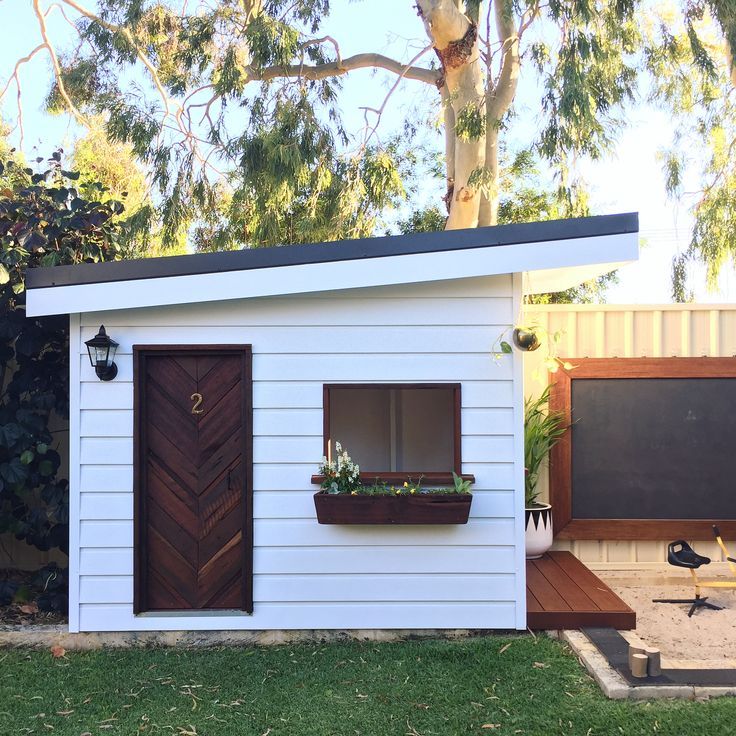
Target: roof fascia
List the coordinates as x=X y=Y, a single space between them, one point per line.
x=331 y=276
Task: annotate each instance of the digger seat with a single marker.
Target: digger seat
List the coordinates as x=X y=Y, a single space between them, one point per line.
x=681 y=554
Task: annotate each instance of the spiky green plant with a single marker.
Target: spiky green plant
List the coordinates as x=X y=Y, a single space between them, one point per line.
x=542 y=430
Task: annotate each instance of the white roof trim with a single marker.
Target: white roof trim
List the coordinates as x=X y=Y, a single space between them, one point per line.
x=605 y=252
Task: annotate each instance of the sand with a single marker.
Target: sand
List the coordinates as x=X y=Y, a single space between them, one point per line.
x=706 y=640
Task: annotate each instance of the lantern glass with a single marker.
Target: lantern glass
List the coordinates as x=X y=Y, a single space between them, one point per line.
x=101 y=355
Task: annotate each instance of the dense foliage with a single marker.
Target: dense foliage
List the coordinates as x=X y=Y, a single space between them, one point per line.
x=48 y=588
x=44 y=221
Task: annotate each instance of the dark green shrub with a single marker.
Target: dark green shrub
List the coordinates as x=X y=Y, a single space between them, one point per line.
x=44 y=221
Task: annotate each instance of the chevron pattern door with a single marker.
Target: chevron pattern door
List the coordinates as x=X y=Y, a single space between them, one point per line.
x=193 y=478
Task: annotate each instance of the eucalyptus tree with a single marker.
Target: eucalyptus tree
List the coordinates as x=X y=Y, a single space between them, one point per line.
x=692 y=66
x=234 y=105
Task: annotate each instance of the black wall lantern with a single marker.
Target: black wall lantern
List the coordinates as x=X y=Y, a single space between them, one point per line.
x=101 y=351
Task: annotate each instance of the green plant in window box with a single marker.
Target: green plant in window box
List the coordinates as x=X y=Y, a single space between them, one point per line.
x=344 y=499
x=342 y=477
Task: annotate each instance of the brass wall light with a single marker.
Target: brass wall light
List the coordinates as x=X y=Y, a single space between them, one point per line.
x=101 y=351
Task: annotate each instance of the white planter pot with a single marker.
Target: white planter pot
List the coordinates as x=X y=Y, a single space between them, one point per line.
x=538 y=530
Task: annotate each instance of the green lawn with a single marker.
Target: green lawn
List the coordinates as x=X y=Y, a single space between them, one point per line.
x=485 y=685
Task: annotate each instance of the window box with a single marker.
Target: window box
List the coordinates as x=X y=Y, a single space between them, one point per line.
x=423 y=508
x=409 y=437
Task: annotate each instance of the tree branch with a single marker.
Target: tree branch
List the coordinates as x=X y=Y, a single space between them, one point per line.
x=16 y=68
x=318 y=41
x=504 y=90
x=380 y=111
x=15 y=76
x=57 y=66
x=337 y=69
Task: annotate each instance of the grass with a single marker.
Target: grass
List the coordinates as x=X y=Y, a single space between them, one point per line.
x=494 y=685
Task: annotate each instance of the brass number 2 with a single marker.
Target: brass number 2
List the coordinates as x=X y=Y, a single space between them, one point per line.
x=197 y=399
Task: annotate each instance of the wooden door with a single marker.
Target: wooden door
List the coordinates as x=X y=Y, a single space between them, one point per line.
x=193 y=544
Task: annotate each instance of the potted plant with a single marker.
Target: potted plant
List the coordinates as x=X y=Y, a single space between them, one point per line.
x=542 y=429
x=345 y=499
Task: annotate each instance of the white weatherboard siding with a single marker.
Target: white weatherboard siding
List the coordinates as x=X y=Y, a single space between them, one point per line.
x=306 y=575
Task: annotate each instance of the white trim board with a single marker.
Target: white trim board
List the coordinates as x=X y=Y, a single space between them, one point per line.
x=599 y=254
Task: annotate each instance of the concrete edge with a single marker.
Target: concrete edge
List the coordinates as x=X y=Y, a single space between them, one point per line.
x=44 y=637
x=610 y=682
x=616 y=688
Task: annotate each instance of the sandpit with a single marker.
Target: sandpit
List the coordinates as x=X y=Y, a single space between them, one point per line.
x=707 y=640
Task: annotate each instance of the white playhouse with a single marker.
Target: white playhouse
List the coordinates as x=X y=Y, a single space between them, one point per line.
x=192 y=460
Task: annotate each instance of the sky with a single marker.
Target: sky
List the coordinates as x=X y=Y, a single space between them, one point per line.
x=631 y=180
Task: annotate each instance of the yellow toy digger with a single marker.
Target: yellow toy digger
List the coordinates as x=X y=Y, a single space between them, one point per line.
x=681 y=554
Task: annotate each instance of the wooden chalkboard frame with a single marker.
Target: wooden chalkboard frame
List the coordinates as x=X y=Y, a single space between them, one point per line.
x=560 y=474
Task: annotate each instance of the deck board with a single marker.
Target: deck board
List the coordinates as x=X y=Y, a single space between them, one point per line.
x=573 y=595
x=563 y=594
x=598 y=591
x=544 y=591
x=532 y=604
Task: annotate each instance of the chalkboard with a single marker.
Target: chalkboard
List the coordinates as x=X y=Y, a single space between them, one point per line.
x=653 y=448
x=650 y=448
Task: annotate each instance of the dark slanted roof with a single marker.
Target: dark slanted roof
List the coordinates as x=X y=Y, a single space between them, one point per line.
x=341 y=250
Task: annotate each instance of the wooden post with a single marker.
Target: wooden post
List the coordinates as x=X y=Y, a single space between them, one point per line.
x=654 y=666
x=632 y=651
x=637 y=661
x=639 y=665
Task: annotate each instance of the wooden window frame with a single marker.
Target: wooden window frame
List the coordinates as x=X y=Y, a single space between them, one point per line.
x=435 y=478
x=560 y=472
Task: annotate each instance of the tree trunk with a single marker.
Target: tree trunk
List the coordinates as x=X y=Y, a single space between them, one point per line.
x=499 y=98
x=729 y=61
x=455 y=40
x=448 y=115
x=488 y=212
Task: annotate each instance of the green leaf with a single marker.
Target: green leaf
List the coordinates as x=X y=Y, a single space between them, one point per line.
x=13 y=472
x=505 y=347
x=10 y=433
x=45 y=467
x=4 y=274
x=27 y=457
x=41 y=448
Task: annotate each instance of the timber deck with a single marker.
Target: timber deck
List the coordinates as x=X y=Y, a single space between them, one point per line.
x=561 y=593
